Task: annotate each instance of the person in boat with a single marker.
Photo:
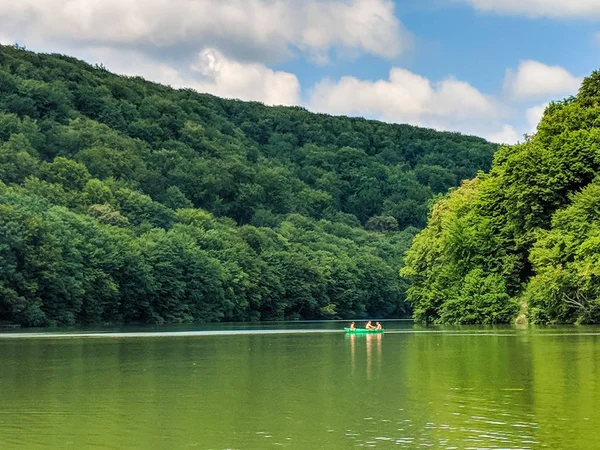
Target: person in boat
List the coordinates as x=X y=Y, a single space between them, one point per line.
x=377 y=326
x=369 y=326
x=352 y=326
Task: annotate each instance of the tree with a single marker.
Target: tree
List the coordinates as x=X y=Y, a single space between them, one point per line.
x=70 y=174
x=382 y=223
x=17 y=159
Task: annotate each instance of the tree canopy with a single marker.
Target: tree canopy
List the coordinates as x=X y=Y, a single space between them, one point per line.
x=123 y=200
x=522 y=238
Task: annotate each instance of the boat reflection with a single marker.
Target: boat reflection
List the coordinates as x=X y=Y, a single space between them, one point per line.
x=373 y=346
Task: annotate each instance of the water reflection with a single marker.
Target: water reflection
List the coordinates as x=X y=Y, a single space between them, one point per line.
x=510 y=389
x=352 y=351
x=373 y=350
x=369 y=344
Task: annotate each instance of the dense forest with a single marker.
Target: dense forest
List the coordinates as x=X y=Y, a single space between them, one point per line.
x=524 y=239
x=127 y=201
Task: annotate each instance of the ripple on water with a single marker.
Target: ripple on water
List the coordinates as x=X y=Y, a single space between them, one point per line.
x=473 y=431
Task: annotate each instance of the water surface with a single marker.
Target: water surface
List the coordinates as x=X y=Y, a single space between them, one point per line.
x=301 y=385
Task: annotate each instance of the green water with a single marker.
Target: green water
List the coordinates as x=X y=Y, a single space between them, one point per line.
x=470 y=388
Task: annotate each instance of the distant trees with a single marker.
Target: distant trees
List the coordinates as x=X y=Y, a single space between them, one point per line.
x=127 y=201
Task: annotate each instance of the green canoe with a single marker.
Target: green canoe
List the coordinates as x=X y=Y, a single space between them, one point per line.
x=362 y=331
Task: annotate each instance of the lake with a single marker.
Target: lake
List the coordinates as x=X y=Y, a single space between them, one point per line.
x=301 y=385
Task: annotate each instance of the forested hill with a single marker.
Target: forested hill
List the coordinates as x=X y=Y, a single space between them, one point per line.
x=524 y=238
x=123 y=200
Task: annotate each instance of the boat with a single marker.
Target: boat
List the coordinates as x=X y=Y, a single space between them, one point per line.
x=362 y=331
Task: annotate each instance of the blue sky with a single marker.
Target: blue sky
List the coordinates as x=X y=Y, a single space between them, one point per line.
x=484 y=67
x=474 y=46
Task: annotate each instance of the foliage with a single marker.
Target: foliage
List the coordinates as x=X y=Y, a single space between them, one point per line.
x=527 y=230
x=127 y=201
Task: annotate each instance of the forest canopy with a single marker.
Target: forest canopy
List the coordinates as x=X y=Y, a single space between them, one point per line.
x=126 y=201
x=523 y=239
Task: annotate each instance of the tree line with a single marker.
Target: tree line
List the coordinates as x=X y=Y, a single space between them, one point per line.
x=127 y=201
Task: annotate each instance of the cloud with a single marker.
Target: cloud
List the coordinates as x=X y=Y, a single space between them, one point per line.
x=507 y=135
x=540 y=8
x=370 y=26
x=211 y=72
x=248 y=81
x=536 y=80
x=259 y=30
x=406 y=97
x=534 y=115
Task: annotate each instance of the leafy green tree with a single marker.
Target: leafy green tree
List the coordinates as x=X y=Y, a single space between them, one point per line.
x=70 y=174
x=382 y=223
x=107 y=214
x=17 y=159
x=521 y=239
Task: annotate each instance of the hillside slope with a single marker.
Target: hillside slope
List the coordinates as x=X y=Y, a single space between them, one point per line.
x=128 y=201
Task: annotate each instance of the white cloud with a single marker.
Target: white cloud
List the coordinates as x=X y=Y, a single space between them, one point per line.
x=5 y=39
x=248 y=81
x=507 y=135
x=261 y=30
x=540 y=8
x=534 y=115
x=368 y=25
x=536 y=80
x=405 y=97
x=213 y=73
